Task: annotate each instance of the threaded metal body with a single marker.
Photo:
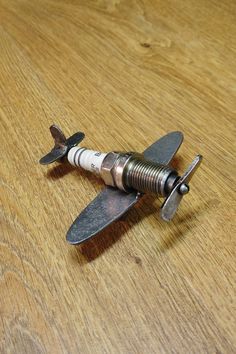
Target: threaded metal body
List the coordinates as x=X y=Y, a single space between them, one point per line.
x=146 y=176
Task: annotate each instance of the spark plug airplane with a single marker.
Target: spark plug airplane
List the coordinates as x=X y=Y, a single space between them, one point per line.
x=127 y=177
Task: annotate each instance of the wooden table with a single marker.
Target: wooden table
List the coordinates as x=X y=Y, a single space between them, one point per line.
x=125 y=73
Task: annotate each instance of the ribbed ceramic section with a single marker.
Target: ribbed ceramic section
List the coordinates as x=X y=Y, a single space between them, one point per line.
x=146 y=176
x=87 y=159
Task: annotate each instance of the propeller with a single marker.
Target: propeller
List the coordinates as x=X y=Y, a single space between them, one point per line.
x=62 y=145
x=170 y=205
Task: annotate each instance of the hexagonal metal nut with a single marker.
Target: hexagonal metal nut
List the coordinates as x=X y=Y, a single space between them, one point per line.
x=107 y=166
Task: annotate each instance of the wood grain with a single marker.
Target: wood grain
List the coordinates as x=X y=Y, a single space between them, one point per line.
x=125 y=73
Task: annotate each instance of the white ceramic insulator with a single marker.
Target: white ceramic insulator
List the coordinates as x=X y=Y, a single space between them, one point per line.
x=88 y=159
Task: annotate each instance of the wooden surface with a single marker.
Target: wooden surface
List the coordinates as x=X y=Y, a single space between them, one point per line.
x=125 y=73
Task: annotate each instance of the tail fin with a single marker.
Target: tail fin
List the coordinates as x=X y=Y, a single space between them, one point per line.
x=61 y=146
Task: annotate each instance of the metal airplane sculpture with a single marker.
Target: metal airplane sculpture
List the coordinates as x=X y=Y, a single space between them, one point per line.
x=127 y=175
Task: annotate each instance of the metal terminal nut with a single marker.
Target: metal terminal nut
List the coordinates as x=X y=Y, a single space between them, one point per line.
x=113 y=166
x=119 y=169
x=107 y=166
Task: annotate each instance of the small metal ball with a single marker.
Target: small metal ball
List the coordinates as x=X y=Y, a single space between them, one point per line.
x=183 y=189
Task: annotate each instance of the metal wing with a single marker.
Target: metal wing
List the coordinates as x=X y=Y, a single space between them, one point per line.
x=111 y=203
x=107 y=207
x=164 y=149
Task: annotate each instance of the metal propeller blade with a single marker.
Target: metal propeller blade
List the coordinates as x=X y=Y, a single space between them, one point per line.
x=62 y=145
x=172 y=202
x=108 y=206
x=112 y=203
x=164 y=149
